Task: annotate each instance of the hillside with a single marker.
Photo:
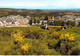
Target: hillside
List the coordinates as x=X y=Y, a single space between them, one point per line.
x=36 y=41
x=25 y=12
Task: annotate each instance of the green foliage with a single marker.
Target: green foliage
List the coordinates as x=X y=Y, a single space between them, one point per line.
x=50 y=23
x=30 y=22
x=37 y=41
x=59 y=23
x=63 y=48
x=53 y=43
x=71 y=23
x=38 y=20
x=46 y=18
x=79 y=24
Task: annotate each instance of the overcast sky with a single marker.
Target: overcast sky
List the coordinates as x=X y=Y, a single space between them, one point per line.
x=48 y=4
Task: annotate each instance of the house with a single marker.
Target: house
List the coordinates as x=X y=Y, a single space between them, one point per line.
x=3 y=18
x=59 y=18
x=45 y=22
x=10 y=19
x=77 y=20
x=24 y=21
x=1 y=23
x=33 y=22
x=14 y=17
x=68 y=17
x=40 y=22
x=16 y=23
x=4 y=21
x=52 y=20
x=16 y=20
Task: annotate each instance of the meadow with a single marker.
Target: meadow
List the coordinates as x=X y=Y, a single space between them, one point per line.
x=37 y=41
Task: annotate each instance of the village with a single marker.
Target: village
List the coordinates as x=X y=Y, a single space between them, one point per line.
x=20 y=21
x=39 y=27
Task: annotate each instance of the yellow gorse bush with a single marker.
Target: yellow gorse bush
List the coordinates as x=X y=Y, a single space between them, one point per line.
x=67 y=36
x=19 y=39
x=18 y=36
x=61 y=36
x=71 y=37
x=56 y=34
x=25 y=47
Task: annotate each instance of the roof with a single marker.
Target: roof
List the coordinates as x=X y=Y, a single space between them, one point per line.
x=25 y=19
x=1 y=21
x=77 y=18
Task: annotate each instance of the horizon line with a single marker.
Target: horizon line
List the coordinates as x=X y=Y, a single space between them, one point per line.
x=28 y=7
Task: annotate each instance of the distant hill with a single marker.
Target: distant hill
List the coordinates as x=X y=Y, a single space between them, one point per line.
x=37 y=12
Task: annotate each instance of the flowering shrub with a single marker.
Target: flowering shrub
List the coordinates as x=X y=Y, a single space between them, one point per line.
x=56 y=35
x=71 y=37
x=18 y=36
x=25 y=47
x=36 y=41
x=67 y=36
x=61 y=36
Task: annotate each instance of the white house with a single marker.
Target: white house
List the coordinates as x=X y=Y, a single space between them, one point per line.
x=52 y=19
x=24 y=21
x=59 y=18
x=33 y=22
x=1 y=23
x=16 y=23
x=77 y=20
x=40 y=22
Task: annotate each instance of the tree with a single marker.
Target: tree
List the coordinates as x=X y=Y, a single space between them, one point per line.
x=35 y=20
x=42 y=22
x=72 y=23
x=53 y=43
x=38 y=20
x=79 y=24
x=59 y=23
x=46 y=18
x=50 y=23
x=30 y=22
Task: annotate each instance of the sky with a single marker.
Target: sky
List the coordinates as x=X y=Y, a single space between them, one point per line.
x=40 y=4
